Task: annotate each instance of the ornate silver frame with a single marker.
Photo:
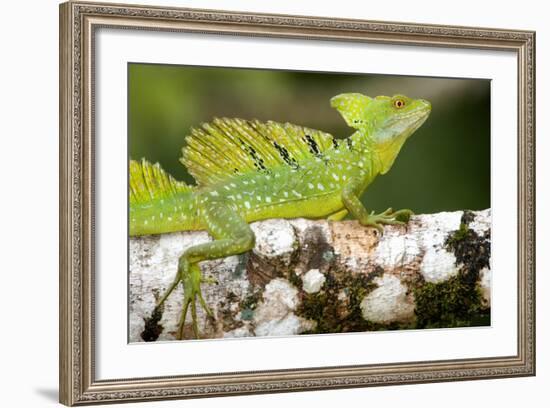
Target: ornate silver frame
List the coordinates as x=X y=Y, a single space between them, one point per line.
x=78 y=22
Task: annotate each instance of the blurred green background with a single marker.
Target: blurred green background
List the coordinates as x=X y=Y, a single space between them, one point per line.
x=444 y=166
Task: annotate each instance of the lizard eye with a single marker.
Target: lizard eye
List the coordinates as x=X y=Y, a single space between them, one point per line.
x=398 y=103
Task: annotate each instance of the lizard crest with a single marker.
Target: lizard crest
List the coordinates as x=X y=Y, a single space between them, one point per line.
x=226 y=147
x=149 y=182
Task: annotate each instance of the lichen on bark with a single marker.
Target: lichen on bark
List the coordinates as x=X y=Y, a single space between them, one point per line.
x=309 y=277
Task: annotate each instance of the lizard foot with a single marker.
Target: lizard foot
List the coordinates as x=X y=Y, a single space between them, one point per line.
x=388 y=217
x=191 y=278
x=189 y=274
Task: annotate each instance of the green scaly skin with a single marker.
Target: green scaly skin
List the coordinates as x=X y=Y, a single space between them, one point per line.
x=327 y=185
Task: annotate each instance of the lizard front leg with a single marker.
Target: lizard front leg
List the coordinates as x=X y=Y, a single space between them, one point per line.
x=350 y=198
x=232 y=236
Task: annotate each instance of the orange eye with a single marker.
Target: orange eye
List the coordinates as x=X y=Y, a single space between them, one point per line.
x=399 y=103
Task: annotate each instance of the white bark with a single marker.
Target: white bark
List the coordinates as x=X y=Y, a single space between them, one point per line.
x=255 y=296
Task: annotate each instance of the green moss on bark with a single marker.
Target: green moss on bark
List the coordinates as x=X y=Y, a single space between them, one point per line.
x=457 y=302
x=336 y=308
x=153 y=329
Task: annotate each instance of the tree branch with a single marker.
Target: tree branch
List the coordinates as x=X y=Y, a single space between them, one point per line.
x=320 y=276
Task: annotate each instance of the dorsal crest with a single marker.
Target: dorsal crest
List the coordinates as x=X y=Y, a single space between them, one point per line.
x=227 y=147
x=150 y=182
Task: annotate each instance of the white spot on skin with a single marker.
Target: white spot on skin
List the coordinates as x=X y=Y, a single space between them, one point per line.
x=320 y=186
x=311 y=186
x=247 y=204
x=285 y=193
x=268 y=199
x=335 y=176
x=214 y=193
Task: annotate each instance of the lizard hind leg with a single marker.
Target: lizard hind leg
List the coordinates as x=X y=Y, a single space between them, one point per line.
x=338 y=216
x=232 y=236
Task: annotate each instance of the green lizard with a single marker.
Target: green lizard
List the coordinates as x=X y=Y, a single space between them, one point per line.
x=250 y=170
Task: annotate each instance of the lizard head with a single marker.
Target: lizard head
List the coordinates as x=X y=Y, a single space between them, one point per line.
x=385 y=121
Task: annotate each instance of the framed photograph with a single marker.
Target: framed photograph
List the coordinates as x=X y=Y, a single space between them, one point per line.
x=256 y=203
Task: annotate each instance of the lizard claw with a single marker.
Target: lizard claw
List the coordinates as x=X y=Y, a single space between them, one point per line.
x=388 y=217
x=388 y=211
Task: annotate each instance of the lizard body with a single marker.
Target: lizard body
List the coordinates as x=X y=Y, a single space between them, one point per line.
x=249 y=170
